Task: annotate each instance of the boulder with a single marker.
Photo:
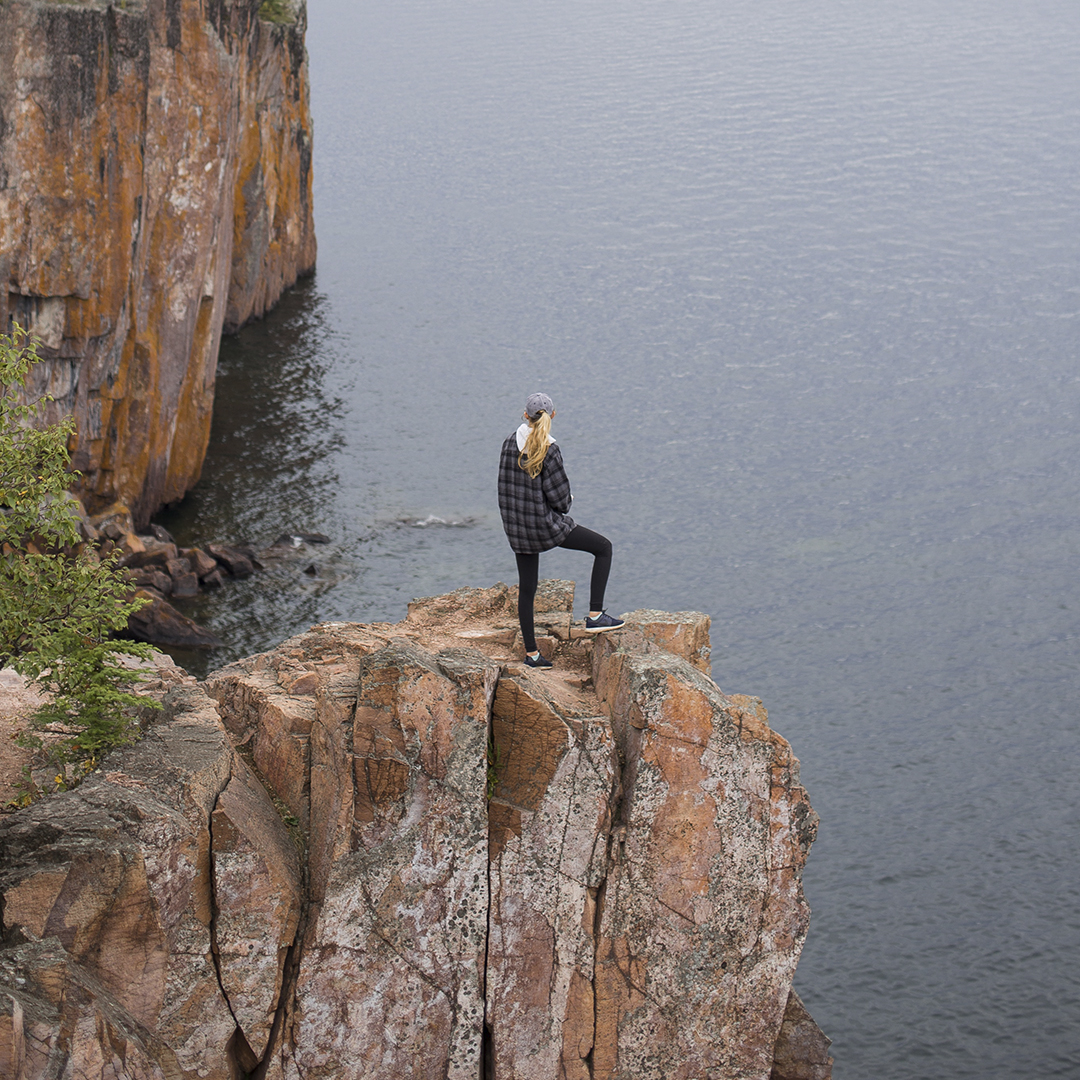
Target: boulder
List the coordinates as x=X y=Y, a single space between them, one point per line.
x=236 y=562
x=214 y=580
x=114 y=521
x=161 y=624
x=159 y=556
x=130 y=544
x=87 y=531
x=184 y=583
x=200 y=563
x=160 y=533
x=185 y=586
x=177 y=567
x=151 y=578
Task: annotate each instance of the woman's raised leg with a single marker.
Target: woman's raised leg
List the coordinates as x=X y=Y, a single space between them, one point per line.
x=582 y=539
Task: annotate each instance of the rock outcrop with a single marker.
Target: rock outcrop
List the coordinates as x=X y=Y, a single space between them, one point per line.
x=122 y=907
x=401 y=853
x=155 y=188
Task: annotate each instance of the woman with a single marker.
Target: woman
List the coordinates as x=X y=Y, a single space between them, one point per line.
x=534 y=497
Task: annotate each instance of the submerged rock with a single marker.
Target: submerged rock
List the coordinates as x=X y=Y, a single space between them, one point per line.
x=149 y=578
x=294 y=540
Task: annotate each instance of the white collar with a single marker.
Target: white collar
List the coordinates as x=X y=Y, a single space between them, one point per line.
x=523 y=433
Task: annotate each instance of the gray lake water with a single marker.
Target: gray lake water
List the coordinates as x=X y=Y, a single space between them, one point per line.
x=803 y=280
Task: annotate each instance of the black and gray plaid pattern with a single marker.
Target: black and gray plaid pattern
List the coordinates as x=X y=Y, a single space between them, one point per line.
x=534 y=510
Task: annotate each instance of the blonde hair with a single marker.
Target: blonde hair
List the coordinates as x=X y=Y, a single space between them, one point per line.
x=536 y=445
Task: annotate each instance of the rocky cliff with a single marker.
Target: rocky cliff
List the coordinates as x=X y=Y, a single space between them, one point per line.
x=155 y=188
x=393 y=851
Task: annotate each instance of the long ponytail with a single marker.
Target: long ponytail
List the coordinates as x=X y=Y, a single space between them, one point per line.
x=536 y=445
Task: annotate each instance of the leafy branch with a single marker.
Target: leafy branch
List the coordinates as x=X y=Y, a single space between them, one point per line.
x=60 y=604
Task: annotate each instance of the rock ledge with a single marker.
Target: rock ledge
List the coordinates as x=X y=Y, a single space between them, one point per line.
x=389 y=851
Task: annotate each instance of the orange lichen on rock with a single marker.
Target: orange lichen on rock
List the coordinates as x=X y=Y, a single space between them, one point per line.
x=155 y=186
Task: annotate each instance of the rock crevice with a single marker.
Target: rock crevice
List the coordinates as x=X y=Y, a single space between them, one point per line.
x=586 y=873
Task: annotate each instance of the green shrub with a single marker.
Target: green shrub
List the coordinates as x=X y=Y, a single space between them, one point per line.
x=60 y=605
x=277 y=11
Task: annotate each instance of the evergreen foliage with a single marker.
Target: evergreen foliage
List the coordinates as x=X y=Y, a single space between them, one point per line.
x=60 y=604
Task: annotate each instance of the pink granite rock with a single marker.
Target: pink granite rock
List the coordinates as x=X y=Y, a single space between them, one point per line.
x=601 y=864
x=117 y=875
x=555 y=775
x=390 y=981
x=55 y=1016
x=702 y=916
x=257 y=903
x=269 y=702
x=684 y=633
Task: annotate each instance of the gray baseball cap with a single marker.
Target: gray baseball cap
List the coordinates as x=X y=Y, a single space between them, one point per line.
x=537 y=404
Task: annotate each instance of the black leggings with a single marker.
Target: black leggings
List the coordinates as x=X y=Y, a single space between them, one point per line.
x=579 y=539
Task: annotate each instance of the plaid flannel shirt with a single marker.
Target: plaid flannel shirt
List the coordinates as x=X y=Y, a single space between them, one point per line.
x=534 y=509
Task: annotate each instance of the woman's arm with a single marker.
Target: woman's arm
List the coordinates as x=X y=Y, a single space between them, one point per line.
x=556 y=486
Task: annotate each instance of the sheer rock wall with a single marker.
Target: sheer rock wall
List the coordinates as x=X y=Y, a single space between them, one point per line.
x=155 y=188
x=394 y=851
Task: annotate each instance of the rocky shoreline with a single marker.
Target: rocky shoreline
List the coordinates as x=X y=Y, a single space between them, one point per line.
x=158 y=569
x=393 y=851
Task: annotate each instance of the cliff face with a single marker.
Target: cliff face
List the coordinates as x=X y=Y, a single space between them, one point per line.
x=586 y=873
x=155 y=187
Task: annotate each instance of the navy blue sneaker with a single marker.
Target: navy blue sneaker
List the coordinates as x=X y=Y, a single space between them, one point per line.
x=541 y=661
x=602 y=622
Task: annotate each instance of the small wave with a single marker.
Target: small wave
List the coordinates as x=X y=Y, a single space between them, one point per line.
x=433 y=521
x=295 y=540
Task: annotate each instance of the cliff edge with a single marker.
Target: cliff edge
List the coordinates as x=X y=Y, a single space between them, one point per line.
x=391 y=851
x=155 y=188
